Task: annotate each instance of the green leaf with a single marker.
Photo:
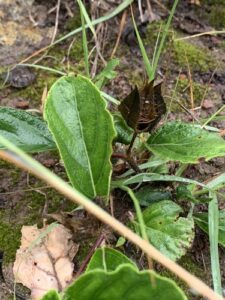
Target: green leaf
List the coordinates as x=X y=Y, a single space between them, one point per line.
x=186 y=143
x=83 y=129
x=147 y=195
x=107 y=73
x=202 y=221
x=124 y=132
x=51 y=295
x=108 y=259
x=28 y=132
x=168 y=232
x=120 y=242
x=186 y=192
x=124 y=283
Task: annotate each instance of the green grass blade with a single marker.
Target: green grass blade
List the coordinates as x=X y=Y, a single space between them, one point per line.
x=138 y=213
x=43 y=68
x=164 y=35
x=86 y=16
x=213 y=221
x=148 y=66
x=84 y=36
x=214 y=115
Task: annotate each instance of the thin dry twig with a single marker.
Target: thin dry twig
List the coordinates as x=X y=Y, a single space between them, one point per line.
x=56 y=21
x=190 y=82
x=122 y=23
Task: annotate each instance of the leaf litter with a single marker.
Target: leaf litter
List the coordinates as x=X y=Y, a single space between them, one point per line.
x=44 y=259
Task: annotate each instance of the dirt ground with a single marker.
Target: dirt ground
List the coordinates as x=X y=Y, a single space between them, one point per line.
x=195 y=66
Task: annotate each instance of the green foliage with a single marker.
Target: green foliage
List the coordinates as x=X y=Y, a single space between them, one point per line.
x=201 y=220
x=26 y=131
x=123 y=132
x=147 y=195
x=83 y=130
x=186 y=143
x=168 y=232
x=125 y=281
x=107 y=73
x=186 y=193
x=108 y=259
x=111 y=275
x=51 y=295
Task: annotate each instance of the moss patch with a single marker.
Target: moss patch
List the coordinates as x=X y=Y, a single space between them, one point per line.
x=183 y=88
x=199 y=59
x=9 y=240
x=217 y=16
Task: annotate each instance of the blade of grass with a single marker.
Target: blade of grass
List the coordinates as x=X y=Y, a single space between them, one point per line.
x=150 y=177
x=140 y=219
x=213 y=221
x=164 y=35
x=21 y=159
x=83 y=13
x=43 y=68
x=156 y=46
x=143 y=166
x=214 y=115
x=148 y=66
x=110 y=98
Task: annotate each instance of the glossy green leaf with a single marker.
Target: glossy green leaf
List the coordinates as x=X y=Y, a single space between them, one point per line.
x=123 y=283
x=24 y=130
x=123 y=132
x=202 y=221
x=185 y=143
x=107 y=259
x=147 y=195
x=83 y=129
x=168 y=232
x=51 y=295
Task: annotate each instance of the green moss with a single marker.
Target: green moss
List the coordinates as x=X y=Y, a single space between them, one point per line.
x=217 y=16
x=73 y=22
x=9 y=240
x=199 y=59
x=198 y=90
x=213 y=2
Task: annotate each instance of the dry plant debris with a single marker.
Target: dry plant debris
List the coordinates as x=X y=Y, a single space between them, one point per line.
x=44 y=259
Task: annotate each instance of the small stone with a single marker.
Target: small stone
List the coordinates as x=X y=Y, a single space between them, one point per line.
x=207 y=104
x=21 y=103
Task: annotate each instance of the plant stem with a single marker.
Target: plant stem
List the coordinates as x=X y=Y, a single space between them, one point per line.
x=181 y=169
x=213 y=221
x=140 y=220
